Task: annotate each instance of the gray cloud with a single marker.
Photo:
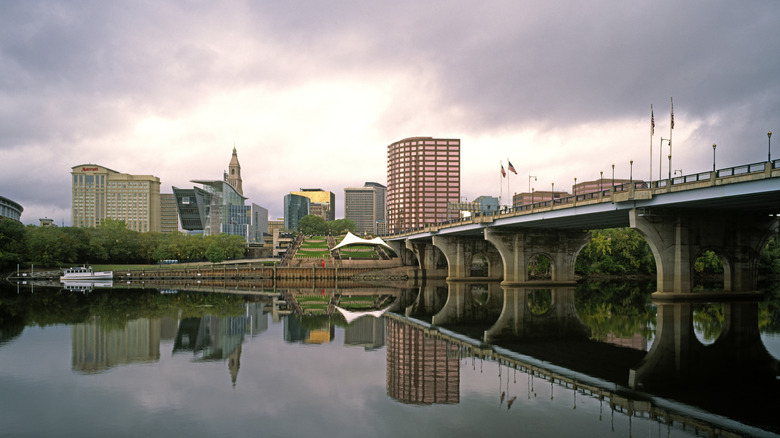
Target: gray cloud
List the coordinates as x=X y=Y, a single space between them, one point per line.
x=84 y=73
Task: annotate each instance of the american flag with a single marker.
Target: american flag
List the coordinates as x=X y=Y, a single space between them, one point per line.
x=511 y=167
x=503 y=172
x=652 y=121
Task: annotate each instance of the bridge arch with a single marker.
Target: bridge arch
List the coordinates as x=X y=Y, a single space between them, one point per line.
x=461 y=252
x=676 y=238
x=517 y=248
x=479 y=265
x=723 y=258
x=541 y=266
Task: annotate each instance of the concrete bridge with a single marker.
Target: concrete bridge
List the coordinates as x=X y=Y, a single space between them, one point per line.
x=731 y=212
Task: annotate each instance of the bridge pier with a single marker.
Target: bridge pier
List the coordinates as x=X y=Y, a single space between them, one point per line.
x=429 y=259
x=517 y=248
x=461 y=254
x=678 y=238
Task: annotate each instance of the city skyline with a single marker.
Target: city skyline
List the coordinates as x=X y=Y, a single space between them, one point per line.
x=311 y=95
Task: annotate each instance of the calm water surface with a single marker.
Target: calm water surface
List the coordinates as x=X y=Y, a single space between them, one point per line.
x=135 y=362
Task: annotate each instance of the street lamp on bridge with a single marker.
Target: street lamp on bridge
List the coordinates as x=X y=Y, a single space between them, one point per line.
x=713 y=157
x=631 y=172
x=613 y=177
x=769 y=146
x=601 y=178
x=529 y=181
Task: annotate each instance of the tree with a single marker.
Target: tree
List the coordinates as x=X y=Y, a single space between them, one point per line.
x=312 y=225
x=12 y=243
x=51 y=246
x=615 y=251
x=214 y=253
x=341 y=226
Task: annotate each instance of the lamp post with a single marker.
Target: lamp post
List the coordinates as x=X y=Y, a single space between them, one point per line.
x=713 y=157
x=613 y=177
x=670 y=167
x=769 y=146
x=529 y=181
x=552 y=194
x=532 y=197
x=601 y=178
x=575 y=187
x=631 y=172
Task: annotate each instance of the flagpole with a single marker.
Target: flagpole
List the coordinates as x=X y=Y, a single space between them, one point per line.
x=671 y=128
x=652 y=131
x=501 y=183
x=508 y=193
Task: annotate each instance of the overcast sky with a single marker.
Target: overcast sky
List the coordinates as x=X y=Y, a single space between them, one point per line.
x=311 y=93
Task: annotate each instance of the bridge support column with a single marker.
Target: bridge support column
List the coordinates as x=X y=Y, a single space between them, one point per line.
x=428 y=258
x=461 y=252
x=677 y=239
x=518 y=247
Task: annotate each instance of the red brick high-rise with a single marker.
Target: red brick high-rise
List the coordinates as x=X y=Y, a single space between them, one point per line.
x=423 y=175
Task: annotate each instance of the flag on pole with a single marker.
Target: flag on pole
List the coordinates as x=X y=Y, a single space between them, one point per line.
x=503 y=172
x=652 y=121
x=511 y=167
x=672 y=114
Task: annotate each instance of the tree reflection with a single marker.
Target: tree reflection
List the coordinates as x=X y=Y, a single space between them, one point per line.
x=622 y=309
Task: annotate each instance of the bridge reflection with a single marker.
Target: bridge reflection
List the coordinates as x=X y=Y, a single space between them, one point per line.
x=679 y=383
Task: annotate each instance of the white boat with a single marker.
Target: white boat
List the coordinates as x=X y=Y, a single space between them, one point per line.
x=85 y=273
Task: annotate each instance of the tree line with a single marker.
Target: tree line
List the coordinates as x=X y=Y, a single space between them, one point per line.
x=109 y=243
x=616 y=251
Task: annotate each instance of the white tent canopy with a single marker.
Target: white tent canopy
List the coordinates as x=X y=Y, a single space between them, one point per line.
x=352 y=239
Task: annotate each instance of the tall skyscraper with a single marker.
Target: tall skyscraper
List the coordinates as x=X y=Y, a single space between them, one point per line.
x=322 y=203
x=234 y=173
x=101 y=193
x=365 y=206
x=423 y=175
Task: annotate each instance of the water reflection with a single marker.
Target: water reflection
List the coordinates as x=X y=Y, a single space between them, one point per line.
x=565 y=350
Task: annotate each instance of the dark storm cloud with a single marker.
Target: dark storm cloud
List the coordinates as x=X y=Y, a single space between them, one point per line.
x=75 y=76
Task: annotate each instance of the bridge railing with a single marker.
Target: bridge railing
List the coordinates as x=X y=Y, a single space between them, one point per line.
x=744 y=169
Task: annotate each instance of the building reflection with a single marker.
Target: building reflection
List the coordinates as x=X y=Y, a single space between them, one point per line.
x=367 y=332
x=421 y=369
x=308 y=330
x=96 y=348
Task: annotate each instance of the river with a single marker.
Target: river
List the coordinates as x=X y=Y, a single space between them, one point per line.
x=133 y=361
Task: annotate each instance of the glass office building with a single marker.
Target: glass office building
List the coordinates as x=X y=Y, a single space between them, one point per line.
x=295 y=207
x=216 y=207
